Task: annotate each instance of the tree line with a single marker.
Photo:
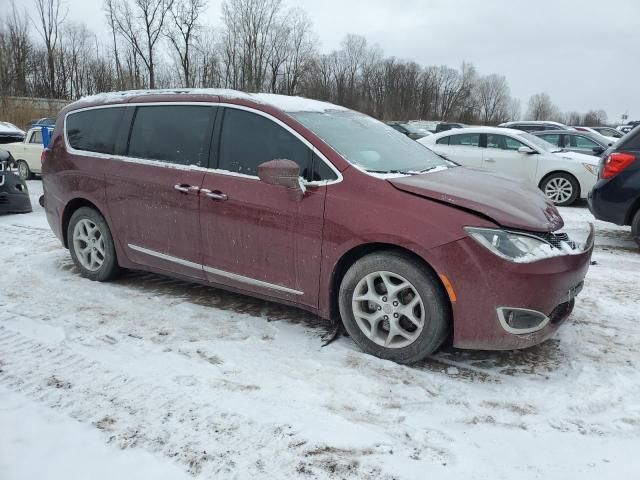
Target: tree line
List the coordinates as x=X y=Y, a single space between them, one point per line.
x=260 y=46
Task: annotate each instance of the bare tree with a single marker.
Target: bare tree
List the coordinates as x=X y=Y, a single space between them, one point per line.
x=182 y=34
x=493 y=98
x=247 y=28
x=141 y=26
x=542 y=108
x=51 y=15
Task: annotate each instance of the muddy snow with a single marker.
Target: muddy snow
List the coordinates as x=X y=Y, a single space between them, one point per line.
x=149 y=377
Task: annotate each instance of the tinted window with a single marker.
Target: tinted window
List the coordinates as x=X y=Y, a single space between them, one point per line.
x=248 y=139
x=94 y=130
x=503 y=142
x=36 y=137
x=465 y=140
x=553 y=139
x=443 y=141
x=578 y=141
x=172 y=133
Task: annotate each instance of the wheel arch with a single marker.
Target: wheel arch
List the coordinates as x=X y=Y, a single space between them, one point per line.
x=565 y=172
x=356 y=253
x=69 y=210
x=631 y=213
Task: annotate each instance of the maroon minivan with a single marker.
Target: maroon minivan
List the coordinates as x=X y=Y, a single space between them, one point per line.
x=312 y=205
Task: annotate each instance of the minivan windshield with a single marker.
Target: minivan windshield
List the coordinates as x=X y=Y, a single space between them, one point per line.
x=369 y=144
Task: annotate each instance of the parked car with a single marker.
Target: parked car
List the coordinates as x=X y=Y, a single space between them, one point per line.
x=576 y=141
x=325 y=209
x=9 y=133
x=411 y=131
x=534 y=125
x=445 y=126
x=28 y=153
x=563 y=176
x=628 y=127
x=616 y=196
x=42 y=122
x=611 y=134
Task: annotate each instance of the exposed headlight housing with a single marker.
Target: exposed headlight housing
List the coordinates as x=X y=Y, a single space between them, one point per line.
x=512 y=246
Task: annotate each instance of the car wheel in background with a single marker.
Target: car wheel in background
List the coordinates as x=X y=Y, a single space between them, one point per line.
x=635 y=227
x=24 y=172
x=393 y=307
x=91 y=245
x=561 y=188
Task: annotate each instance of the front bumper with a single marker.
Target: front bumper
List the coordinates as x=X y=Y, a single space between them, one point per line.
x=14 y=194
x=484 y=283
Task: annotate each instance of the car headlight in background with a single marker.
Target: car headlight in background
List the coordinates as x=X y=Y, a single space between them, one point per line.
x=593 y=169
x=515 y=247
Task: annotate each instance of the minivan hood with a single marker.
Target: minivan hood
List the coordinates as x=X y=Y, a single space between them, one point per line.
x=507 y=201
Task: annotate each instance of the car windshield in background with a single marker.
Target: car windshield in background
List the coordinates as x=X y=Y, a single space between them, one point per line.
x=370 y=144
x=414 y=129
x=540 y=143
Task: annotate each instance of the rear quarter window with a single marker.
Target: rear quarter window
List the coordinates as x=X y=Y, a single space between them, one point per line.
x=94 y=130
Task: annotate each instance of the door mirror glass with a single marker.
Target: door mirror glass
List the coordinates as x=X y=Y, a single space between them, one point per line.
x=526 y=150
x=285 y=173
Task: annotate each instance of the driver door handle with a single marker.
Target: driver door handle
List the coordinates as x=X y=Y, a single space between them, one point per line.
x=490 y=160
x=219 y=196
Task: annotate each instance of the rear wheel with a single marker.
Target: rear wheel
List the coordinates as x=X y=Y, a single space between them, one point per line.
x=91 y=245
x=635 y=227
x=24 y=172
x=561 y=188
x=393 y=307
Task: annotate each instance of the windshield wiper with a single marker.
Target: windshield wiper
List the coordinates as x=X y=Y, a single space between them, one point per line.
x=386 y=171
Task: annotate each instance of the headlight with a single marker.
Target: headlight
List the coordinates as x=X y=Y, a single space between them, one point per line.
x=593 y=169
x=515 y=247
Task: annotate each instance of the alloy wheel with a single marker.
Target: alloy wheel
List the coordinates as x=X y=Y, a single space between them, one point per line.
x=558 y=190
x=388 y=309
x=88 y=243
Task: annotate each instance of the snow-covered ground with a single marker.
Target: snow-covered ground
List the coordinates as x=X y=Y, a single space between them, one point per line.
x=149 y=377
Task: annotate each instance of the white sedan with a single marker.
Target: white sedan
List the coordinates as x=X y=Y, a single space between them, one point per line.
x=28 y=153
x=562 y=176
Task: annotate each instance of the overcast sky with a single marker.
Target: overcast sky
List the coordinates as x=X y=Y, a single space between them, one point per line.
x=581 y=52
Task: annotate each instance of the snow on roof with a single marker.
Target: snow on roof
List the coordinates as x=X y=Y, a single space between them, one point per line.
x=10 y=128
x=283 y=102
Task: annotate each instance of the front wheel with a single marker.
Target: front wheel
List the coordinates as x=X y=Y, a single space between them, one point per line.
x=393 y=307
x=24 y=172
x=91 y=245
x=561 y=188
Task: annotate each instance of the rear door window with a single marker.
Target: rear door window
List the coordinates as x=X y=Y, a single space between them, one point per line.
x=94 y=130
x=578 y=141
x=179 y=134
x=36 y=137
x=248 y=139
x=465 y=140
x=552 y=138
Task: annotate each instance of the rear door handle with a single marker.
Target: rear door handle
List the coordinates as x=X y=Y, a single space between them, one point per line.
x=218 y=196
x=490 y=160
x=182 y=188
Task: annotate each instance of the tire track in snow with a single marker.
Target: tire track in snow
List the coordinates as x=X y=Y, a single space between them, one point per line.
x=134 y=413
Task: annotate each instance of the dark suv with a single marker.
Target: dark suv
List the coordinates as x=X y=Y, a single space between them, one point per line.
x=615 y=197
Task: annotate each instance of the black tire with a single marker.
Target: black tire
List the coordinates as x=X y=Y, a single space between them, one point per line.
x=109 y=268
x=575 y=188
x=437 y=309
x=24 y=172
x=635 y=227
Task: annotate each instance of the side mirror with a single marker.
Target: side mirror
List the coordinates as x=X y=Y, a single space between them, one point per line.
x=597 y=150
x=526 y=150
x=285 y=173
